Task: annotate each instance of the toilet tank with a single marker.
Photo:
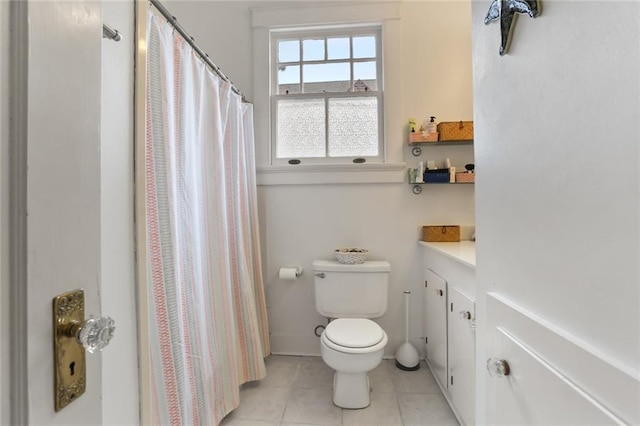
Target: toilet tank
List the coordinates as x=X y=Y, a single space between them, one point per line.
x=351 y=291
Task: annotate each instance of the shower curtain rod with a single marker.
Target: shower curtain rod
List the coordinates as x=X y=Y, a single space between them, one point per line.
x=110 y=33
x=205 y=57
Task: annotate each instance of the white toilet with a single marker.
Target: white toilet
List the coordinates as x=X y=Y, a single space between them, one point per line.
x=352 y=344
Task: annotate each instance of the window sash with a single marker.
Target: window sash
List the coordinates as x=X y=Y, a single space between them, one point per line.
x=276 y=37
x=327 y=159
x=279 y=35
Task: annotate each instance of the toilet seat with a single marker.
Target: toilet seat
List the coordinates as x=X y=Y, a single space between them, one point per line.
x=354 y=335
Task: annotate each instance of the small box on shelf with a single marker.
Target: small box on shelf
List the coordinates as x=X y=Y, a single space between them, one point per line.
x=436 y=176
x=456 y=130
x=420 y=137
x=465 y=177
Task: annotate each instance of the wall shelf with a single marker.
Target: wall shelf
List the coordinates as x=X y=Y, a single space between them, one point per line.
x=466 y=142
x=417 y=146
x=417 y=187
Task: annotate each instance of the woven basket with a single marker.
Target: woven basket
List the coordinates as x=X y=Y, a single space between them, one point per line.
x=456 y=130
x=351 y=256
x=441 y=233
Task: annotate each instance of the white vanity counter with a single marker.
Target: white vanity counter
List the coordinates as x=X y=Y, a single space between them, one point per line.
x=463 y=252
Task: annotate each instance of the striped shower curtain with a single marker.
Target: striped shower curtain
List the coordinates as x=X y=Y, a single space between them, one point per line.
x=207 y=312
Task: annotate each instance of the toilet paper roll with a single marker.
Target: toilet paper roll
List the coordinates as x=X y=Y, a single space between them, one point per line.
x=290 y=273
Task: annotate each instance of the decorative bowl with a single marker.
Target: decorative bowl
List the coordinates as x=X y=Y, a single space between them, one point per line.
x=351 y=255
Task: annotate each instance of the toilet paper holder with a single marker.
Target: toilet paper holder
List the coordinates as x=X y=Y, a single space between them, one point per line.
x=290 y=272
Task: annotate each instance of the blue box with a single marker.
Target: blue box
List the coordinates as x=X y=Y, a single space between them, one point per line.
x=436 y=176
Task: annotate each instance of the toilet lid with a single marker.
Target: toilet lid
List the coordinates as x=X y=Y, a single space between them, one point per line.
x=354 y=332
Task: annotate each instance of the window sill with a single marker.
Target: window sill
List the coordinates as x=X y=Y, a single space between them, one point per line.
x=318 y=174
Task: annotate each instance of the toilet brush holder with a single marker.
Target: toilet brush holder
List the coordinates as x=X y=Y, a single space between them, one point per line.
x=407 y=357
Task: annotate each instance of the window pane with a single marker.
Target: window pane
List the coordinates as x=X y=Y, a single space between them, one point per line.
x=288 y=79
x=366 y=73
x=301 y=128
x=364 y=47
x=338 y=48
x=313 y=50
x=318 y=78
x=289 y=51
x=353 y=127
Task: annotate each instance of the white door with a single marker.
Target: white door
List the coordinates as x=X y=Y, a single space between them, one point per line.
x=56 y=195
x=558 y=294
x=553 y=378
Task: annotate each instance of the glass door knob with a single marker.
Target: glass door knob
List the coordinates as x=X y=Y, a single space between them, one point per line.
x=498 y=367
x=94 y=334
x=73 y=337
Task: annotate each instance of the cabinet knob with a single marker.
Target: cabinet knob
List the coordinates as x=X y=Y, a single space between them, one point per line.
x=465 y=315
x=439 y=292
x=498 y=367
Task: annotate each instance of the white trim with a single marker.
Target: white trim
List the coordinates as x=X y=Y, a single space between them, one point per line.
x=315 y=174
x=314 y=15
x=5 y=224
x=18 y=98
x=562 y=377
x=602 y=379
x=142 y=290
x=631 y=371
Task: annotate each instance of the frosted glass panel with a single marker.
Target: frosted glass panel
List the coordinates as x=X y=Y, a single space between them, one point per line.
x=313 y=50
x=289 y=51
x=364 y=47
x=353 y=127
x=300 y=128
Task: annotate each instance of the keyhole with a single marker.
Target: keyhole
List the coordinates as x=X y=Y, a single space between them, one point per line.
x=72 y=367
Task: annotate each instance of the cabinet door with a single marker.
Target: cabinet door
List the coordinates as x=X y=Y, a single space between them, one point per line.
x=435 y=319
x=462 y=346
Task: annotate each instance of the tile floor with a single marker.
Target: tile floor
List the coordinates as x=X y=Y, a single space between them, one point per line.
x=297 y=391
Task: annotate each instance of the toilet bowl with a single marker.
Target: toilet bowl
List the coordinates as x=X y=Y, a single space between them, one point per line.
x=352 y=347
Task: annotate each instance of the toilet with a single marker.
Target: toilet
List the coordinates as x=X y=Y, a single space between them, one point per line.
x=352 y=344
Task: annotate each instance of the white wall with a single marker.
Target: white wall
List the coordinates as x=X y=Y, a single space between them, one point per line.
x=557 y=147
x=120 y=359
x=300 y=223
x=4 y=213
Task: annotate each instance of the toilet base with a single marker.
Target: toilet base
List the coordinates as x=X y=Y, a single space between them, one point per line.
x=351 y=390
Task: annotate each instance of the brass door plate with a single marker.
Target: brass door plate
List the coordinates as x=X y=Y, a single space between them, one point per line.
x=69 y=355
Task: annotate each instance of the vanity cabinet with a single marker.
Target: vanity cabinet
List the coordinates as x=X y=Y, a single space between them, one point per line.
x=449 y=322
x=461 y=353
x=435 y=314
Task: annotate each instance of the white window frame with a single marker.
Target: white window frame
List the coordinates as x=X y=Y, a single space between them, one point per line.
x=277 y=35
x=386 y=14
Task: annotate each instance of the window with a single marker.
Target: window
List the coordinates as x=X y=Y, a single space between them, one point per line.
x=326 y=96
